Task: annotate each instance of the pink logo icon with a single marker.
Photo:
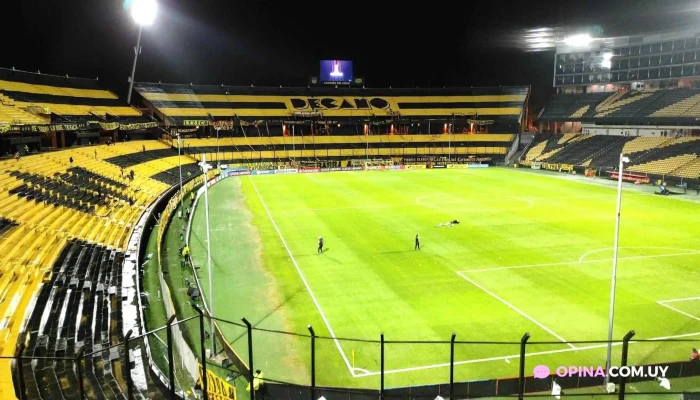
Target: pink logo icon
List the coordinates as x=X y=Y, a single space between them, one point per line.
x=541 y=371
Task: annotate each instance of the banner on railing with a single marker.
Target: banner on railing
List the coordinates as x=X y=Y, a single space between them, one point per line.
x=420 y=166
x=477 y=165
x=139 y=126
x=217 y=388
x=457 y=166
x=109 y=126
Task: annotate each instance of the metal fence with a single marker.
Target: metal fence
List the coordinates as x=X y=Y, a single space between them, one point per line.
x=454 y=368
x=118 y=371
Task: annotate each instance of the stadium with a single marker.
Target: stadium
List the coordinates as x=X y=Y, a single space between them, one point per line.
x=335 y=241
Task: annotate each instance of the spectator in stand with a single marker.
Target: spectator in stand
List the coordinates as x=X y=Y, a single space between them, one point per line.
x=17 y=155
x=26 y=150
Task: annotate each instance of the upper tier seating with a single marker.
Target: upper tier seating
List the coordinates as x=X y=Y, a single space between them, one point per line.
x=195 y=103
x=31 y=98
x=630 y=107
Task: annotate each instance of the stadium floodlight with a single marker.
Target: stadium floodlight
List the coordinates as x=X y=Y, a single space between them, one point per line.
x=205 y=168
x=580 y=40
x=144 y=14
x=613 y=282
x=607 y=61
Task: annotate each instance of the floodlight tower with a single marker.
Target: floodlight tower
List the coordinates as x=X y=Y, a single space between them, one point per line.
x=613 y=282
x=206 y=168
x=144 y=13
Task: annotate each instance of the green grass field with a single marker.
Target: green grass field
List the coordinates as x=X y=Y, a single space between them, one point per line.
x=532 y=254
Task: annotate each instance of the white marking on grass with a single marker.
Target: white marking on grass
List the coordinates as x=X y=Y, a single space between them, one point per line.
x=303 y=279
x=678 y=311
x=677 y=300
x=663 y=303
x=583 y=257
x=516 y=309
x=688 y=252
x=539 y=353
x=362 y=371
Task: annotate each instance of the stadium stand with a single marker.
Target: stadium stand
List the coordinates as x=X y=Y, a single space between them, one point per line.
x=675 y=106
x=181 y=102
x=30 y=98
x=282 y=148
x=546 y=145
x=79 y=307
x=677 y=157
x=64 y=230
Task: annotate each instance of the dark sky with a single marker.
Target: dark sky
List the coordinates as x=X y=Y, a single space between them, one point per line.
x=266 y=42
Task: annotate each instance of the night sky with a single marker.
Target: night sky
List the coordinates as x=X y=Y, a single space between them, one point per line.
x=264 y=42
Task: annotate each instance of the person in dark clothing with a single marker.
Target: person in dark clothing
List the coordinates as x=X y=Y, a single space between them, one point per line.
x=320 y=245
x=122 y=171
x=417 y=246
x=143 y=147
x=71 y=162
x=131 y=174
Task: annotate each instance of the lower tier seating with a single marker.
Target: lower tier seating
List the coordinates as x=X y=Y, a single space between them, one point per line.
x=80 y=307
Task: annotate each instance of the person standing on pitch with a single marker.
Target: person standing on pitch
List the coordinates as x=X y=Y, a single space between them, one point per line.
x=320 y=245
x=417 y=246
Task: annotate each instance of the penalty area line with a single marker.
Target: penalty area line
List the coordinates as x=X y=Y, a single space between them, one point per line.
x=303 y=279
x=582 y=261
x=517 y=356
x=516 y=309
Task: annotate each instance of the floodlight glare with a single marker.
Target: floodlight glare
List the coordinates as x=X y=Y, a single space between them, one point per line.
x=578 y=40
x=144 y=11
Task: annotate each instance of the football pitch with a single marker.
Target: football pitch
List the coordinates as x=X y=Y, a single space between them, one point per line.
x=532 y=253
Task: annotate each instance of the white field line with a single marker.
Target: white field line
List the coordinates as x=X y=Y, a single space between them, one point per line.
x=677 y=300
x=517 y=356
x=688 y=252
x=516 y=309
x=303 y=279
x=661 y=303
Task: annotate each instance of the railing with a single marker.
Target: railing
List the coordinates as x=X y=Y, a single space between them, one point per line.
x=537 y=365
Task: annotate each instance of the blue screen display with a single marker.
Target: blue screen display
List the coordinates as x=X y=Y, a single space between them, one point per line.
x=336 y=71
